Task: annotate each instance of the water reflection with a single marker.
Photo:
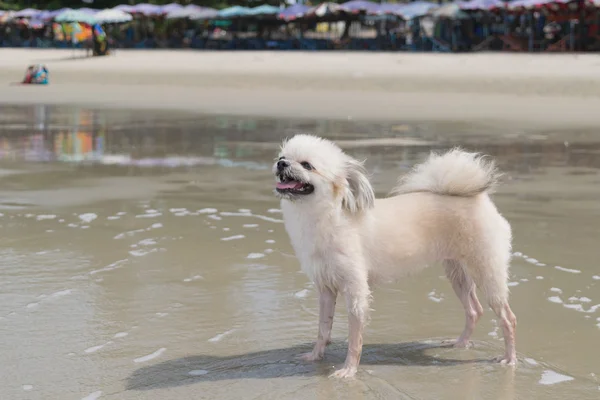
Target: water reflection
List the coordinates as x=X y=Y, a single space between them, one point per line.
x=134 y=138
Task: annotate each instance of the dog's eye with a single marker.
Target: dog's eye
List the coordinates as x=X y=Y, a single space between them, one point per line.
x=281 y=158
x=306 y=165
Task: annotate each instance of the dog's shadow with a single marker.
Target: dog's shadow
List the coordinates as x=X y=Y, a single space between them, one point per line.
x=281 y=363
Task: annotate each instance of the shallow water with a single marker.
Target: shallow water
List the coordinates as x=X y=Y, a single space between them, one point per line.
x=143 y=256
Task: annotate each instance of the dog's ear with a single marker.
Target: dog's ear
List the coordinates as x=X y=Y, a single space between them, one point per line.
x=358 y=195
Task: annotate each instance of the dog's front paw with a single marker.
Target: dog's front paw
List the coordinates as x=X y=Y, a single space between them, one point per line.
x=309 y=357
x=346 y=372
x=507 y=360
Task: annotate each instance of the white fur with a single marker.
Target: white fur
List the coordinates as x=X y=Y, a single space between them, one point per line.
x=347 y=241
x=455 y=173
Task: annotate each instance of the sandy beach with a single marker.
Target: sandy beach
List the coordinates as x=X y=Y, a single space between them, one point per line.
x=536 y=91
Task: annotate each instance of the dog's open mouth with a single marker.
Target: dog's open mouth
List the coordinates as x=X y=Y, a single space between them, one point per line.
x=290 y=186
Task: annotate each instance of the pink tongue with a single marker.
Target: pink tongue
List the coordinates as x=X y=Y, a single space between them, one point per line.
x=289 y=185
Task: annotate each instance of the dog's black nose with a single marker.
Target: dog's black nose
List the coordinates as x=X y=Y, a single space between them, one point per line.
x=281 y=164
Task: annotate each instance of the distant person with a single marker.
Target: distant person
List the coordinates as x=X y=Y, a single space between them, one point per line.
x=99 y=41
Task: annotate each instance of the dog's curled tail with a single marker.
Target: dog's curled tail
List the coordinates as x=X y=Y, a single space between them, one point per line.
x=455 y=173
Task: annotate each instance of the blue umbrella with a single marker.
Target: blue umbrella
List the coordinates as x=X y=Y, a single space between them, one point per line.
x=234 y=12
x=480 y=4
x=264 y=10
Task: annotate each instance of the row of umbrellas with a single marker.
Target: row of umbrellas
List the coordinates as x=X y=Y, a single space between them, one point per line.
x=407 y=11
x=418 y=9
x=83 y=15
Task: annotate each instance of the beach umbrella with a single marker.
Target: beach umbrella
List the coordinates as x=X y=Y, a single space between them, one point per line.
x=537 y=4
x=206 y=13
x=125 y=7
x=324 y=9
x=168 y=8
x=36 y=24
x=27 y=13
x=234 y=12
x=416 y=9
x=357 y=6
x=390 y=8
x=112 y=16
x=474 y=5
x=184 y=12
x=52 y=14
x=522 y=4
x=264 y=10
x=88 y=10
x=147 y=9
x=451 y=11
x=293 y=12
x=75 y=16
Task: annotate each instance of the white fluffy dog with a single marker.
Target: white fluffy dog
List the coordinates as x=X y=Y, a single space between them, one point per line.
x=346 y=240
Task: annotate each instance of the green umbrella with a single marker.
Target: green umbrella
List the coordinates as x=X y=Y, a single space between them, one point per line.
x=75 y=16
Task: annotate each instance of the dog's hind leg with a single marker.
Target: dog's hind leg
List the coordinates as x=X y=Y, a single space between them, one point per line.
x=491 y=276
x=465 y=290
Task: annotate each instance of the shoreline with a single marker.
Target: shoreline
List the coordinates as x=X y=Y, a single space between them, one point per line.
x=520 y=90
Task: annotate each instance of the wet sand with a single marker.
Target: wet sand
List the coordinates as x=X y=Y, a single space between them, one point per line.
x=142 y=259
x=511 y=90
